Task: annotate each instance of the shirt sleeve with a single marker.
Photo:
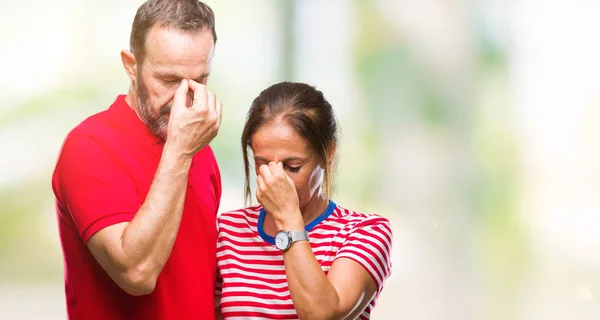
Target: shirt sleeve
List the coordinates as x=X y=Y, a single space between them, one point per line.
x=369 y=244
x=96 y=191
x=218 y=185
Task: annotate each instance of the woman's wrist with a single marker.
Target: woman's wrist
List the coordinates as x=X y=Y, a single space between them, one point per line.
x=291 y=221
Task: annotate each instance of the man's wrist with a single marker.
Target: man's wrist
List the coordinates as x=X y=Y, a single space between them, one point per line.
x=173 y=154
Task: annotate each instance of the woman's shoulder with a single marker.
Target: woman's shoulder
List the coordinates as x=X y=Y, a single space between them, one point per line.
x=248 y=213
x=240 y=220
x=359 y=219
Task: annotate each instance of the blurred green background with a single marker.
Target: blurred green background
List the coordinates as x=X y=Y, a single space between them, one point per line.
x=472 y=125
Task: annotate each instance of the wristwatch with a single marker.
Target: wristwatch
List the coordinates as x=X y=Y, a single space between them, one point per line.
x=284 y=239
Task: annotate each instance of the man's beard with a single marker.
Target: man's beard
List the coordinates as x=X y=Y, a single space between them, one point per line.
x=157 y=123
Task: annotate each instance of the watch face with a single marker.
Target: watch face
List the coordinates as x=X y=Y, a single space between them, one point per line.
x=282 y=240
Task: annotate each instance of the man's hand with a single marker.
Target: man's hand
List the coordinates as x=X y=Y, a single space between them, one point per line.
x=191 y=129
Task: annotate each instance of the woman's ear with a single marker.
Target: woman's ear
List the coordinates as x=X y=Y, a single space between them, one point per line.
x=129 y=64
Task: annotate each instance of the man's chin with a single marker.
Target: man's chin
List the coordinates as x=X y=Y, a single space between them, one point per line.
x=160 y=132
x=163 y=134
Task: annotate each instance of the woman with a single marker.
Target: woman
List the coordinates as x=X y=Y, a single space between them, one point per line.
x=297 y=254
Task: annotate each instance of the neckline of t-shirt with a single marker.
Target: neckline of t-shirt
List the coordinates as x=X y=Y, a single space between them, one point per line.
x=270 y=239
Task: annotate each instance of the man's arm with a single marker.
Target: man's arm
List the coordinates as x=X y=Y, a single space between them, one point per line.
x=134 y=253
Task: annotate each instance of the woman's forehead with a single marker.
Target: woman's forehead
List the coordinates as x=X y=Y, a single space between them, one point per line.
x=279 y=139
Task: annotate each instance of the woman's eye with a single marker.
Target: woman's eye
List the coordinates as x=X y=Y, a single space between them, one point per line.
x=293 y=169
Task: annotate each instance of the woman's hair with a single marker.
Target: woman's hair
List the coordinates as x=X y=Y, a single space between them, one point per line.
x=304 y=109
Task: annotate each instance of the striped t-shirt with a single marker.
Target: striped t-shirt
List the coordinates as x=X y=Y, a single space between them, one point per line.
x=252 y=281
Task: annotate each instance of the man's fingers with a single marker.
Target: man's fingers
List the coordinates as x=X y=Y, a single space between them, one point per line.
x=180 y=98
x=219 y=113
x=189 y=98
x=211 y=101
x=200 y=95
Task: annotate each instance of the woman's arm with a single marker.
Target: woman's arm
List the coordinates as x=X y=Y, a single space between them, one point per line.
x=218 y=314
x=347 y=288
x=341 y=294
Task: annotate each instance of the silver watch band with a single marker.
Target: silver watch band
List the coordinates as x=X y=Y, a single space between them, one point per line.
x=298 y=235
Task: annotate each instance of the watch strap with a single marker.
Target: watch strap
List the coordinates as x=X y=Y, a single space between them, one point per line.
x=298 y=235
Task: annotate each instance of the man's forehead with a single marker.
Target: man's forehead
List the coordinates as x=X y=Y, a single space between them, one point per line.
x=167 y=47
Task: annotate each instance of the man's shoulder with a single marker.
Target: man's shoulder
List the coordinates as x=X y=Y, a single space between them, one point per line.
x=94 y=126
x=90 y=137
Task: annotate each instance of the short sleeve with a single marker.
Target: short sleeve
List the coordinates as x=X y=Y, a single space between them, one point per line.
x=95 y=190
x=369 y=244
x=217 y=184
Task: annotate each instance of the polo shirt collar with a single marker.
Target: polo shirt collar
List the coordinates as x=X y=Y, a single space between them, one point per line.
x=129 y=120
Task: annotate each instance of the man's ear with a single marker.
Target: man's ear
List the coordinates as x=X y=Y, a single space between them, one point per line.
x=130 y=64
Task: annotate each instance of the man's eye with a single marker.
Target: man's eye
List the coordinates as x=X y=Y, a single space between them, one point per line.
x=293 y=169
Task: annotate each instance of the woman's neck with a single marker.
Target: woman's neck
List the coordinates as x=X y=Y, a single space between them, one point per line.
x=310 y=212
x=314 y=208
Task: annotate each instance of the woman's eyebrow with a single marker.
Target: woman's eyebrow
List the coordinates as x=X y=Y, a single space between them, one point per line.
x=284 y=160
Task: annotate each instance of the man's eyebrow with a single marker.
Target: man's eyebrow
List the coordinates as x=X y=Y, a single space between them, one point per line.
x=178 y=77
x=202 y=77
x=168 y=75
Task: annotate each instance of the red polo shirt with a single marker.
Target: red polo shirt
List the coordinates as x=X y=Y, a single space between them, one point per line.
x=103 y=174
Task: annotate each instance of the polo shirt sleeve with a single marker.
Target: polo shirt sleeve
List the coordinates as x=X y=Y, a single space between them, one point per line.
x=369 y=244
x=218 y=188
x=96 y=190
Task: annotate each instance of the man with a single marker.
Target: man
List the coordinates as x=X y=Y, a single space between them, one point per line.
x=137 y=187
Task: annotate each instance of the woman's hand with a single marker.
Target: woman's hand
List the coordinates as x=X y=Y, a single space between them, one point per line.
x=277 y=194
